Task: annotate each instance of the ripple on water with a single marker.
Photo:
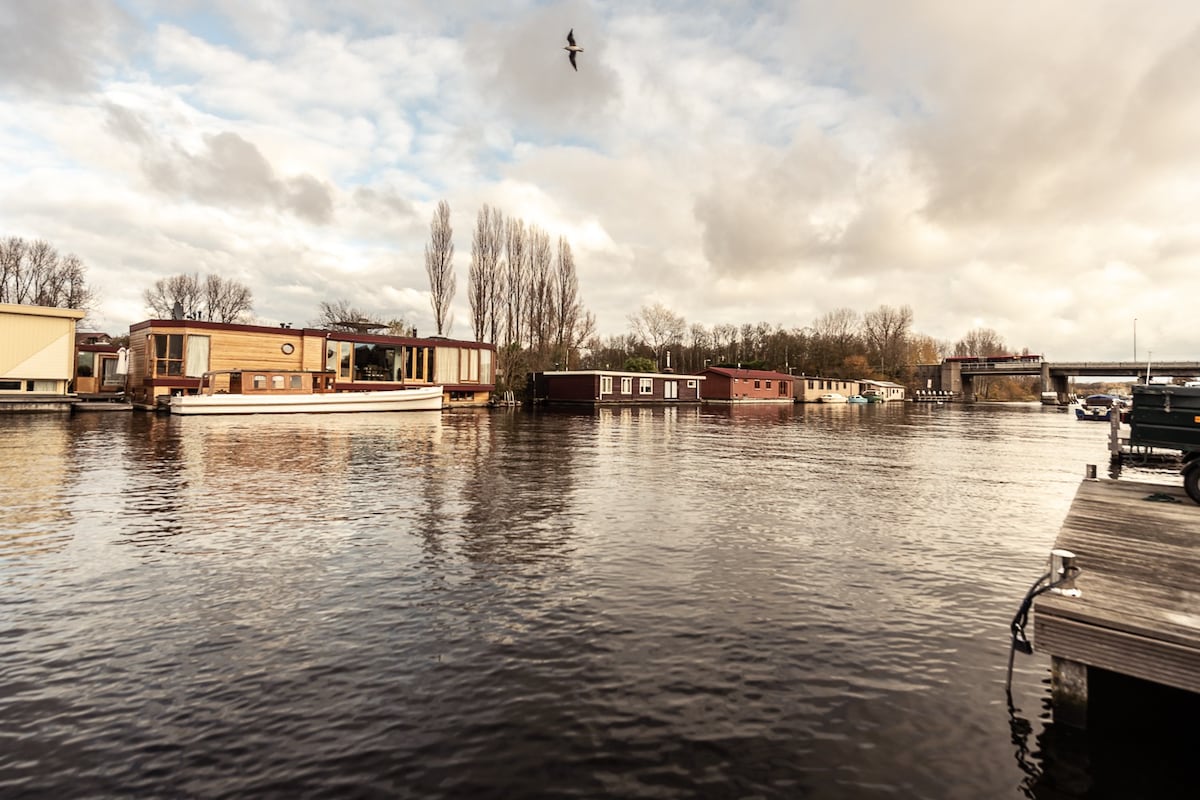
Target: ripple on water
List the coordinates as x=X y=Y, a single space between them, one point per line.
x=635 y=602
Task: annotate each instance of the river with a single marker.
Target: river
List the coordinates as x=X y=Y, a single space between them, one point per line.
x=808 y=601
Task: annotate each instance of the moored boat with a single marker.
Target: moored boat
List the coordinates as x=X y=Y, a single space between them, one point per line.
x=834 y=397
x=292 y=392
x=856 y=398
x=1098 y=408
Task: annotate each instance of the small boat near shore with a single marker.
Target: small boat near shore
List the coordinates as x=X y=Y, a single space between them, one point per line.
x=1098 y=408
x=834 y=397
x=857 y=398
x=293 y=392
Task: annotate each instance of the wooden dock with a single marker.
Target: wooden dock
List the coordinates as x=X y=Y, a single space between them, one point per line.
x=1138 y=548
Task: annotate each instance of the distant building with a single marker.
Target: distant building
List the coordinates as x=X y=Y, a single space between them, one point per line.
x=731 y=385
x=809 y=388
x=37 y=357
x=885 y=390
x=606 y=387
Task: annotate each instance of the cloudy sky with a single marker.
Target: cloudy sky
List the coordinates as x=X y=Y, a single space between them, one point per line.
x=1027 y=166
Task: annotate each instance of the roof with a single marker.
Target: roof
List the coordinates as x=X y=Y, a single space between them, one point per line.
x=41 y=311
x=616 y=373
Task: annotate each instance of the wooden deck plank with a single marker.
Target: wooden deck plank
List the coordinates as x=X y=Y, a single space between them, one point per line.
x=1139 y=613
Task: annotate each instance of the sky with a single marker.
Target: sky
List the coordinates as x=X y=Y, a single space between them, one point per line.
x=1026 y=166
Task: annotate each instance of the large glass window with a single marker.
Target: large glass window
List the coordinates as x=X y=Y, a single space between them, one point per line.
x=168 y=354
x=87 y=365
x=373 y=362
x=344 y=367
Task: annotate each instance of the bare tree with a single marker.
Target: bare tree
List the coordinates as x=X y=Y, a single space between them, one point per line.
x=186 y=296
x=33 y=273
x=486 y=280
x=439 y=265
x=516 y=254
x=885 y=330
x=339 y=315
x=980 y=342
x=226 y=300
x=835 y=332
x=658 y=326
x=179 y=296
x=540 y=292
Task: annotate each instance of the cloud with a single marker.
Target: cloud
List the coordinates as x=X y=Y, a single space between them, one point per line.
x=53 y=46
x=225 y=170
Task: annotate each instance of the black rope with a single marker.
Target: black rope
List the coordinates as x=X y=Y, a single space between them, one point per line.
x=1019 y=640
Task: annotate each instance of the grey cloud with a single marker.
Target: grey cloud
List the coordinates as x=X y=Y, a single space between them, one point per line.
x=228 y=170
x=56 y=46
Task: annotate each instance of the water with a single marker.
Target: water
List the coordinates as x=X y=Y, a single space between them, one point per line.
x=659 y=603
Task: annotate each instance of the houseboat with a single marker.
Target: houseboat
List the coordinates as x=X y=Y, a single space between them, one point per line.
x=171 y=357
x=730 y=385
x=37 y=357
x=810 y=388
x=597 y=387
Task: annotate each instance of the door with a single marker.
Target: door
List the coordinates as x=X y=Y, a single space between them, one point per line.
x=670 y=390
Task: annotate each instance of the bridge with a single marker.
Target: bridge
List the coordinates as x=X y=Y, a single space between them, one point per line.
x=957 y=374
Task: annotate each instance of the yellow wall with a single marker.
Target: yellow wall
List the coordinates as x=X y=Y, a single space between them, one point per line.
x=37 y=343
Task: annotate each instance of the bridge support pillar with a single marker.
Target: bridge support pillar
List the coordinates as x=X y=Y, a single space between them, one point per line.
x=968 y=388
x=1062 y=386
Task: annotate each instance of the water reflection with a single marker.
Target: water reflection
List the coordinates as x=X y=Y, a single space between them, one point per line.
x=752 y=601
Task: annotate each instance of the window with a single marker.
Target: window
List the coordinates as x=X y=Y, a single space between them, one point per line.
x=259 y=382
x=626 y=385
x=168 y=354
x=605 y=384
x=768 y=384
x=757 y=383
x=10 y=386
x=277 y=382
x=373 y=362
x=344 y=367
x=645 y=386
x=197 y=356
x=87 y=363
x=297 y=382
x=691 y=384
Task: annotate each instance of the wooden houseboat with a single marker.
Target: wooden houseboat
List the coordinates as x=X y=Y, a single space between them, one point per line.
x=811 y=388
x=37 y=357
x=731 y=385
x=605 y=387
x=100 y=367
x=170 y=357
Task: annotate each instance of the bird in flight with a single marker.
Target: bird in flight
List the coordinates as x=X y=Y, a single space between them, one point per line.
x=572 y=49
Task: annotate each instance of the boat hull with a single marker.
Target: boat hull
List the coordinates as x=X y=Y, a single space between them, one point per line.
x=426 y=398
x=1092 y=416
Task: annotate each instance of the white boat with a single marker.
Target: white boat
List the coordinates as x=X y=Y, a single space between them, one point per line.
x=834 y=397
x=287 y=392
x=857 y=398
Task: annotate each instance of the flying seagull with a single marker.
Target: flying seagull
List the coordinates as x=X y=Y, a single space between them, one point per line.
x=572 y=49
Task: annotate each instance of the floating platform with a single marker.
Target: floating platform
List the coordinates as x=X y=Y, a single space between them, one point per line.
x=1138 y=612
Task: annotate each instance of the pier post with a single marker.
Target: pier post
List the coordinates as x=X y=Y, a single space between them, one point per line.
x=1069 y=691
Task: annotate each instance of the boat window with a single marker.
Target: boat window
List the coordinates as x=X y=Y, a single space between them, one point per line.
x=605 y=384
x=297 y=382
x=344 y=369
x=260 y=382
x=276 y=381
x=168 y=354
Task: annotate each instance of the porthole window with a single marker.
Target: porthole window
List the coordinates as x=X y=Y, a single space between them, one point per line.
x=288 y=348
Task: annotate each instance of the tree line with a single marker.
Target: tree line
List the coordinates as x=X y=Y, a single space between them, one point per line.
x=35 y=273
x=879 y=344
x=523 y=294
